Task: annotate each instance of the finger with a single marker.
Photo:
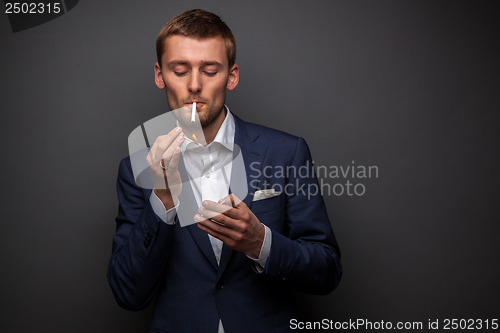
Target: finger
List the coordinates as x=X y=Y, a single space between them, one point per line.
x=210 y=214
x=174 y=162
x=216 y=229
x=235 y=201
x=214 y=206
x=212 y=233
x=220 y=217
x=171 y=173
x=169 y=153
x=234 y=213
x=163 y=142
x=200 y=218
x=231 y=200
x=164 y=139
x=223 y=219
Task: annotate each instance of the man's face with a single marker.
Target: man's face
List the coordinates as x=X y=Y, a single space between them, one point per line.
x=196 y=70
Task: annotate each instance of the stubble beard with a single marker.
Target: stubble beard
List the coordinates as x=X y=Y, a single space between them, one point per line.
x=209 y=117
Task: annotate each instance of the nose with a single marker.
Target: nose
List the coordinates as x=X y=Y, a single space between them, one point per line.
x=194 y=84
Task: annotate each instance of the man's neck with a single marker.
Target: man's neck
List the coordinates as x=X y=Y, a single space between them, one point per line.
x=210 y=131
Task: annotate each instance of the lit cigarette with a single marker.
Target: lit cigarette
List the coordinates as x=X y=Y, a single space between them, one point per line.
x=193 y=113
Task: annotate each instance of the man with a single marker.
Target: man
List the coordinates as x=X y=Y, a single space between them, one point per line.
x=236 y=268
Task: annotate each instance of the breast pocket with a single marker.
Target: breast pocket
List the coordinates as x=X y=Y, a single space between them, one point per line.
x=271 y=212
x=268 y=205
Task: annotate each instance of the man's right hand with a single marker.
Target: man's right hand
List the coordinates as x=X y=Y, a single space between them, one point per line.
x=163 y=159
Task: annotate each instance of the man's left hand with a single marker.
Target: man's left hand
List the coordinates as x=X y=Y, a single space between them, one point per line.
x=231 y=221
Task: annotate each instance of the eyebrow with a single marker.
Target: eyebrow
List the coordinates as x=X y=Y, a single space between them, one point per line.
x=185 y=62
x=177 y=62
x=211 y=63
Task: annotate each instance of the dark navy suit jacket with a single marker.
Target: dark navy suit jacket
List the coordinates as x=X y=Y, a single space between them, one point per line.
x=177 y=266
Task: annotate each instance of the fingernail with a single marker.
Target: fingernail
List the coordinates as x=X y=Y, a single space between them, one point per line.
x=180 y=137
x=178 y=129
x=222 y=201
x=205 y=203
x=198 y=218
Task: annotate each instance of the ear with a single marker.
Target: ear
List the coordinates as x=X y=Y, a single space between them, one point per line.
x=158 y=77
x=234 y=77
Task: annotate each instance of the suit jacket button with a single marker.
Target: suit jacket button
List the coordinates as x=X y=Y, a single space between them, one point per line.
x=219 y=285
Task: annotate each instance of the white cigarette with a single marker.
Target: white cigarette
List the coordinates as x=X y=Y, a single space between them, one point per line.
x=193 y=113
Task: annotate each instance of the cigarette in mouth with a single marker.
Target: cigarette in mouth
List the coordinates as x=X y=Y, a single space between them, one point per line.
x=193 y=113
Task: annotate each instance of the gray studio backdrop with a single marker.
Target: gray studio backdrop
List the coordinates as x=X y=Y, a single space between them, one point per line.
x=410 y=87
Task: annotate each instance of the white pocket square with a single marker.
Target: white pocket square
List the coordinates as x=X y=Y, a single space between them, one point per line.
x=265 y=194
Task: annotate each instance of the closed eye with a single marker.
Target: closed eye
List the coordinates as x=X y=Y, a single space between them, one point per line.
x=210 y=73
x=180 y=73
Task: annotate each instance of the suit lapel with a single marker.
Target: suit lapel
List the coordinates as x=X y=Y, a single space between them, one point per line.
x=252 y=155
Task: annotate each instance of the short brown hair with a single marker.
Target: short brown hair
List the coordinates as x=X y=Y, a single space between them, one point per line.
x=197 y=23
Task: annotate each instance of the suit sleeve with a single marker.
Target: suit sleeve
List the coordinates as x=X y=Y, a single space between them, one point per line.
x=140 y=245
x=308 y=256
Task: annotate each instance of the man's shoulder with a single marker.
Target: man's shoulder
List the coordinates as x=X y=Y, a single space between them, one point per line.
x=263 y=133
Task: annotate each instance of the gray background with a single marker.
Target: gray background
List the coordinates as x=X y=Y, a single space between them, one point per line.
x=409 y=86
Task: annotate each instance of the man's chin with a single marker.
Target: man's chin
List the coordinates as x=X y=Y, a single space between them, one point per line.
x=205 y=122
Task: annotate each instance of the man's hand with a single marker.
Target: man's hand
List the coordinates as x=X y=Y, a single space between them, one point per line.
x=163 y=159
x=232 y=222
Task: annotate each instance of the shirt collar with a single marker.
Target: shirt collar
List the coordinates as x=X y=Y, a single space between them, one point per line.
x=225 y=135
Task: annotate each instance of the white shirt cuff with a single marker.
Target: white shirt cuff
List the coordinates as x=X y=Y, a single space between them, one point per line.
x=260 y=262
x=167 y=216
